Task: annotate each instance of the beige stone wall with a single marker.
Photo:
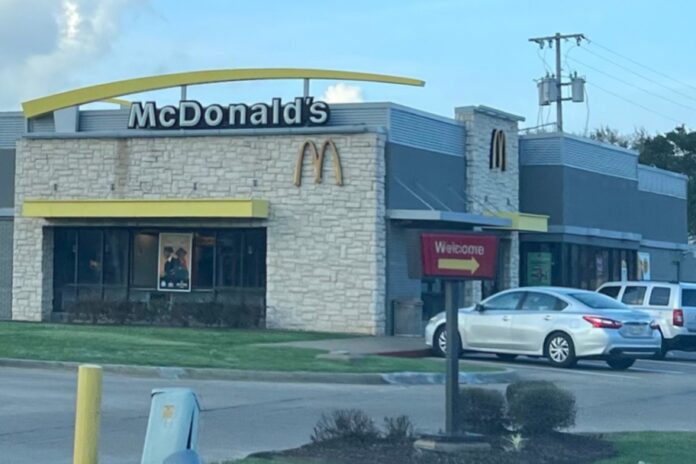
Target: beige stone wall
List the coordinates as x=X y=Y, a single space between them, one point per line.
x=491 y=190
x=325 y=243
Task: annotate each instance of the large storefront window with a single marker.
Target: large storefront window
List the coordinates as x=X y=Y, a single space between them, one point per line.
x=571 y=265
x=109 y=263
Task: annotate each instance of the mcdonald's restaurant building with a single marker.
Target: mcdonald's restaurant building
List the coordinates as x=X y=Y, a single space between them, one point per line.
x=323 y=215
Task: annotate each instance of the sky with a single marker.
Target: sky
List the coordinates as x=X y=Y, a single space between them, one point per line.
x=638 y=63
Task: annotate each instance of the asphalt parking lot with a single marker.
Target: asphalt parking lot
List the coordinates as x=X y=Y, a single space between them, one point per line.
x=37 y=407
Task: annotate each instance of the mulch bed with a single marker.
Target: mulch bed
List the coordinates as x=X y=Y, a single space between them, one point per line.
x=556 y=448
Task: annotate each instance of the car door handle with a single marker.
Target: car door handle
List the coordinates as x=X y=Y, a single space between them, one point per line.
x=548 y=318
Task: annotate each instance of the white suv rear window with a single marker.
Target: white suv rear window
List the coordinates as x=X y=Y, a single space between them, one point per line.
x=634 y=295
x=659 y=296
x=688 y=297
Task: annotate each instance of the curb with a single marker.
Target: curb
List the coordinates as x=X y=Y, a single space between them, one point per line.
x=183 y=373
x=468 y=378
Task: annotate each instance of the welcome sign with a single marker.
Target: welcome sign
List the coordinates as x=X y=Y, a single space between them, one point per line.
x=463 y=256
x=191 y=114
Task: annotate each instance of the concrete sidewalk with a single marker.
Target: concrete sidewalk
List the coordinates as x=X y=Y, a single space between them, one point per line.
x=363 y=345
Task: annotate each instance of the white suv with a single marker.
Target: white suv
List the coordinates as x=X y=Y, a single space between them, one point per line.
x=673 y=305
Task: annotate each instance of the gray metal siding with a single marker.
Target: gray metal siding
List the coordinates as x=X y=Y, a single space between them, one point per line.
x=406 y=126
x=42 y=124
x=663 y=264
x=607 y=202
x=421 y=179
x=661 y=217
x=541 y=191
x=663 y=182
x=103 y=120
x=7 y=173
x=688 y=268
x=540 y=151
x=399 y=285
x=598 y=201
x=6 y=268
x=11 y=129
x=428 y=133
x=595 y=157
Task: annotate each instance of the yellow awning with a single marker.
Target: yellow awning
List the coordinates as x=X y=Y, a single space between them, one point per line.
x=525 y=222
x=193 y=208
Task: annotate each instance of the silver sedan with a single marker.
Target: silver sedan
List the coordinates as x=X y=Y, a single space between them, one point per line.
x=561 y=324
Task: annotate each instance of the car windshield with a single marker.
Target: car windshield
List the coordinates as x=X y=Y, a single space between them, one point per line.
x=597 y=301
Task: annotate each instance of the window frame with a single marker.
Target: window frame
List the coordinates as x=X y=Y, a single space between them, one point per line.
x=618 y=291
x=660 y=287
x=637 y=286
x=522 y=293
x=559 y=304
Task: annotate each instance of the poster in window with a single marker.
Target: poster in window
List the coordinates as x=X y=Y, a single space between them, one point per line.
x=643 y=265
x=539 y=268
x=174 y=272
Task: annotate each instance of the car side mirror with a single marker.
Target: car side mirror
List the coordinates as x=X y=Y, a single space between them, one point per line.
x=479 y=308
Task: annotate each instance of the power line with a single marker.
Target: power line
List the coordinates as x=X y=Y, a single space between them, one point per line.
x=625 y=68
x=587 y=113
x=634 y=103
x=649 y=92
x=641 y=65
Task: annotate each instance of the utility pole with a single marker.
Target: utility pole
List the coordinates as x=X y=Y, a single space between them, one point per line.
x=555 y=40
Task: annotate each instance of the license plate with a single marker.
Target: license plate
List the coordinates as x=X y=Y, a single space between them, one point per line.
x=636 y=330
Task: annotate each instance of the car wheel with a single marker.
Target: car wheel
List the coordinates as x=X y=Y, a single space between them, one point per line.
x=440 y=341
x=506 y=356
x=560 y=350
x=620 y=364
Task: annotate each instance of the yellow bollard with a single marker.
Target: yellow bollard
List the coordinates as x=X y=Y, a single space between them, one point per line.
x=87 y=414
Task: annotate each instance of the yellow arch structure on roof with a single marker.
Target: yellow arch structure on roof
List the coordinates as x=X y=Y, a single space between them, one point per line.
x=101 y=92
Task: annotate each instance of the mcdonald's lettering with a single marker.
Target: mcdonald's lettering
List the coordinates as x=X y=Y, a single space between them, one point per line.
x=498 y=155
x=317 y=157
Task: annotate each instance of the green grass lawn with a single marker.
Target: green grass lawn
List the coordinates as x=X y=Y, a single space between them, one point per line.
x=161 y=346
x=635 y=447
x=653 y=447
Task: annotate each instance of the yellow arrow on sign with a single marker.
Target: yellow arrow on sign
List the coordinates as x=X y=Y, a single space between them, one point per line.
x=458 y=264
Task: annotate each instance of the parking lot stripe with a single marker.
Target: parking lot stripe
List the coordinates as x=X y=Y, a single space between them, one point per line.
x=656 y=371
x=551 y=369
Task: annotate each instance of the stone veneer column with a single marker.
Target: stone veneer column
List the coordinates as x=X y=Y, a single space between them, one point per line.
x=32 y=272
x=491 y=190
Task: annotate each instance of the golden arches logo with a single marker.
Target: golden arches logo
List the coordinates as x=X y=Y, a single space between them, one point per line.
x=498 y=155
x=318 y=161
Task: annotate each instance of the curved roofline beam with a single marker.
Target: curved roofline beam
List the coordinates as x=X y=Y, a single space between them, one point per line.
x=100 y=92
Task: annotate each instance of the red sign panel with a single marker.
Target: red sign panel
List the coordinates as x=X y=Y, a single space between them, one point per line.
x=464 y=256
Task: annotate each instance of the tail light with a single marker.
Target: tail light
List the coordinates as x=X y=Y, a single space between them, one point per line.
x=602 y=322
x=678 y=318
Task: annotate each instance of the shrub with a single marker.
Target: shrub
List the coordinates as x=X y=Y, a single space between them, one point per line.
x=159 y=309
x=346 y=424
x=482 y=410
x=87 y=311
x=540 y=407
x=241 y=316
x=180 y=314
x=398 y=429
x=142 y=312
x=515 y=387
x=207 y=313
x=119 y=312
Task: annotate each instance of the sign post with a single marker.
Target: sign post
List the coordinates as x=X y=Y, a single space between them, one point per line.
x=456 y=256
x=452 y=373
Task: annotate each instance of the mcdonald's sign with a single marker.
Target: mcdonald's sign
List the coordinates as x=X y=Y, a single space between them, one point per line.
x=498 y=155
x=317 y=157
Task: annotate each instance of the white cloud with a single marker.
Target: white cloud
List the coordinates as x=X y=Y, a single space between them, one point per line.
x=343 y=93
x=52 y=44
